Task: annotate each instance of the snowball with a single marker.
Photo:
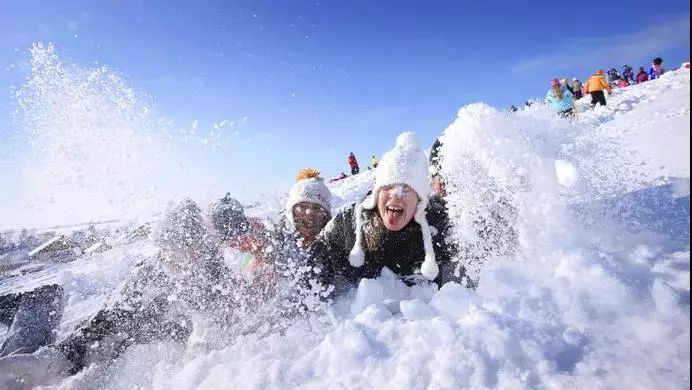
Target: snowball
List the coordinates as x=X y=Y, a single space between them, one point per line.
x=566 y=173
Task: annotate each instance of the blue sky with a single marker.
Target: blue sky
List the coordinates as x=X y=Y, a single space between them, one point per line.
x=306 y=82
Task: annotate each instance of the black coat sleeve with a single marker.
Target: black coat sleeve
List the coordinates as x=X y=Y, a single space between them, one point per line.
x=329 y=254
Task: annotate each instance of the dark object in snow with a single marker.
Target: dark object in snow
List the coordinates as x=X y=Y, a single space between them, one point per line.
x=58 y=248
x=32 y=318
x=228 y=217
x=342 y=176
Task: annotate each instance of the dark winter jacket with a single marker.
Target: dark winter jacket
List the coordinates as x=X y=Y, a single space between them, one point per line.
x=642 y=76
x=402 y=251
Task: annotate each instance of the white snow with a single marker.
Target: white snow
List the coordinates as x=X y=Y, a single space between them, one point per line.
x=597 y=295
x=566 y=173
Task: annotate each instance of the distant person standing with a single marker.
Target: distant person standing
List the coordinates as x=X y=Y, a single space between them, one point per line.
x=373 y=161
x=577 y=88
x=642 y=76
x=565 y=83
x=353 y=163
x=656 y=70
x=595 y=86
x=628 y=73
x=613 y=75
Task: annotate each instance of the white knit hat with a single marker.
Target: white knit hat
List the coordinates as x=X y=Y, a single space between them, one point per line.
x=405 y=164
x=310 y=188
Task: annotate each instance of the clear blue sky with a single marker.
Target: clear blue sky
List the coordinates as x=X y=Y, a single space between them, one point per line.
x=309 y=81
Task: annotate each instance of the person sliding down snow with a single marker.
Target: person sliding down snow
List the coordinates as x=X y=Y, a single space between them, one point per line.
x=397 y=225
x=187 y=276
x=560 y=99
x=282 y=249
x=307 y=211
x=236 y=230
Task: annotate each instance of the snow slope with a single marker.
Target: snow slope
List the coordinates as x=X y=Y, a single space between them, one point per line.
x=597 y=295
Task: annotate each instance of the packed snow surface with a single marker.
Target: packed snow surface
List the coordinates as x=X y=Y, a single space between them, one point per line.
x=596 y=296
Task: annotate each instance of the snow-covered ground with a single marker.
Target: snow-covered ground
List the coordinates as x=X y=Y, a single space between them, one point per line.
x=596 y=296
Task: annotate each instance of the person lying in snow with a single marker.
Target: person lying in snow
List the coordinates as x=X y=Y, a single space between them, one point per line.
x=32 y=318
x=306 y=213
x=186 y=276
x=398 y=225
x=282 y=248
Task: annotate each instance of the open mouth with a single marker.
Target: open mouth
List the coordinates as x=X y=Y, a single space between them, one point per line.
x=393 y=214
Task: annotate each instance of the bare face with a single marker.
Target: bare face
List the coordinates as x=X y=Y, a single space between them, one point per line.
x=396 y=204
x=309 y=219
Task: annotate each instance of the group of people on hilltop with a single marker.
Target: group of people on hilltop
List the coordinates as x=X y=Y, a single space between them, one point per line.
x=290 y=267
x=627 y=77
x=562 y=96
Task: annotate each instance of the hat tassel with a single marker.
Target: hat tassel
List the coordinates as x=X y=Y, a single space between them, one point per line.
x=429 y=269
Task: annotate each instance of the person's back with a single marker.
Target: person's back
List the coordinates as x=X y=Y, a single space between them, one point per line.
x=596 y=83
x=595 y=87
x=642 y=76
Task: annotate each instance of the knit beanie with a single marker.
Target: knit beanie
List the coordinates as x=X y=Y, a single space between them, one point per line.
x=405 y=164
x=554 y=82
x=309 y=188
x=228 y=217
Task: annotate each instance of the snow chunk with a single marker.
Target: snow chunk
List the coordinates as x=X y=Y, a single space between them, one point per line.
x=566 y=173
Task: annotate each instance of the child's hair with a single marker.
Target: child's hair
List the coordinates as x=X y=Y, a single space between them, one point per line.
x=558 y=91
x=658 y=61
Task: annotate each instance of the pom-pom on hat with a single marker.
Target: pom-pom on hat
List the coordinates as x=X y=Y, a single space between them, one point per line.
x=405 y=164
x=309 y=188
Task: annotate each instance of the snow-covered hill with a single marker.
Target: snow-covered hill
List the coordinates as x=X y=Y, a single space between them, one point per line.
x=597 y=295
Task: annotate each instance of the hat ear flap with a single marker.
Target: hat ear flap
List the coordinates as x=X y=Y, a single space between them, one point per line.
x=429 y=268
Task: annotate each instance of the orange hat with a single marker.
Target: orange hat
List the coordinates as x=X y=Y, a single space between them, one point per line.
x=600 y=71
x=308 y=173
